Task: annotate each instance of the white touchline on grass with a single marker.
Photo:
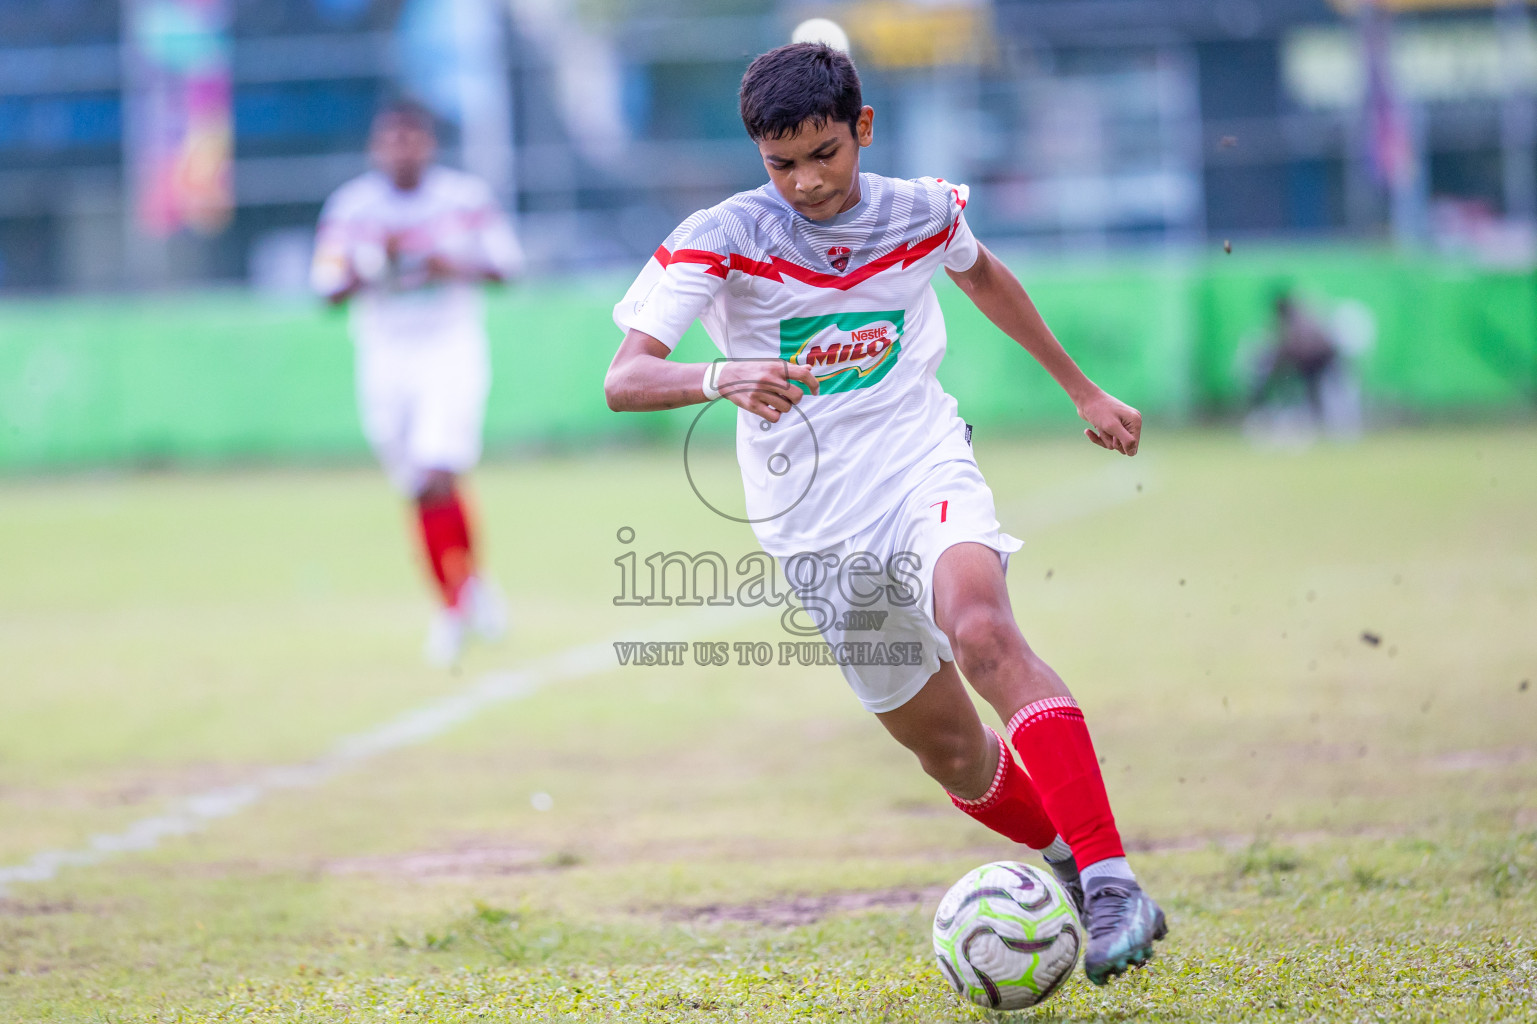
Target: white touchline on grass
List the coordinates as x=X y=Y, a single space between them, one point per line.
x=1073 y=499
x=416 y=726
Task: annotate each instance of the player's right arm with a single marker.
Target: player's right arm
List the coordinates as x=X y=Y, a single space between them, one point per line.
x=331 y=274
x=677 y=285
x=345 y=261
x=643 y=379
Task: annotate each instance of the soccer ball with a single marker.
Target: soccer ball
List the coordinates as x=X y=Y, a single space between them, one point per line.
x=821 y=30
x=1007 y=935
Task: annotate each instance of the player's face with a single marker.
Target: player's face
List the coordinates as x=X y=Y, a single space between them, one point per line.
x=817 y=169
x=402 y=149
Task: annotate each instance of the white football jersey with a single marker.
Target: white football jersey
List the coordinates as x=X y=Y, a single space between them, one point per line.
x=449 y=214
x=850 y=297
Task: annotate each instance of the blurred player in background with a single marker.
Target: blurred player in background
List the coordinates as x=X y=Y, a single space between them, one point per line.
x=411 y=243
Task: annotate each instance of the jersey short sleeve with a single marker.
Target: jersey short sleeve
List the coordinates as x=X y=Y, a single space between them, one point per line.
x=961 y=250
x=678 y=283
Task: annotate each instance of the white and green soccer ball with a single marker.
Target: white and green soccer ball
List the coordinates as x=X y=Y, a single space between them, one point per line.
x=1007 y=935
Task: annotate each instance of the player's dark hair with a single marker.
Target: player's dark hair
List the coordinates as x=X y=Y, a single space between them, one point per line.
x=785 y=88
x=412 y=112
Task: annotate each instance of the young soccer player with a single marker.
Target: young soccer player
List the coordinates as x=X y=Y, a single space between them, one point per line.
x=411 y=244
x=816 y=288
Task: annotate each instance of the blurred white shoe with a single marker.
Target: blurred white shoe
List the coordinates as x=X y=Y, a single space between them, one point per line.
x=445 y=638
x=485 y=606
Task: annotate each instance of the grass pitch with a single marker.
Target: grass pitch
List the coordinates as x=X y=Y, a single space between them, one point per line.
x=1313 y=678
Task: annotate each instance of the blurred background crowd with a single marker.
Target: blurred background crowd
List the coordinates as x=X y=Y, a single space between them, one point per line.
x=146 y=143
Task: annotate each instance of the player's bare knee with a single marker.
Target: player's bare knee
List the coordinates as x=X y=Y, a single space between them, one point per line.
x=437 y=486
x=952 y=760
x=984 y=639
x=952 y=770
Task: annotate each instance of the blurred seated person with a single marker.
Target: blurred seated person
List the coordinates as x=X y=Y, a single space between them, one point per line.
x=1303 y=349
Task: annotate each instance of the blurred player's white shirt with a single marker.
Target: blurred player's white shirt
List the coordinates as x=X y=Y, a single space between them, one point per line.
x=851 y=297
x=423 y=362
x=449 y=214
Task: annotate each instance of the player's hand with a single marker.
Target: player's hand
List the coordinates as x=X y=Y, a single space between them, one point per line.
x=1113 y=424
x=763 y=386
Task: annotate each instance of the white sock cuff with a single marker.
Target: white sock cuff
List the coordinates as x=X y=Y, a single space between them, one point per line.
x=985 y=801
x=1058 y=851
x=1054 y=707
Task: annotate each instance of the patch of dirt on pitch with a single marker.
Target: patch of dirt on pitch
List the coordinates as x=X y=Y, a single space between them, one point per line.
x=36 y=908
x=795 y=911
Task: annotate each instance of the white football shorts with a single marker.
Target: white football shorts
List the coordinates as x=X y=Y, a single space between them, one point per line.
x=423 y=406
x=872 y=596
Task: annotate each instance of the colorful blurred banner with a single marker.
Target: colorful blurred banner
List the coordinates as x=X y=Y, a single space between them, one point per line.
x=181 y=138
x=1390 y=149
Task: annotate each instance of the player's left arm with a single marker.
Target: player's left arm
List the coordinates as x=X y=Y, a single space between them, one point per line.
x=1002 y=299
x=493 y=254
x=501 y=255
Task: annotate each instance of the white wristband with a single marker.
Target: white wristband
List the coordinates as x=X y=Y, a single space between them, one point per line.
x=711 y=372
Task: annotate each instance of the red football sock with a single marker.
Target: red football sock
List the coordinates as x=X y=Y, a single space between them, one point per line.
x=1010 y=806
x=446 y=536
x=1053 y=742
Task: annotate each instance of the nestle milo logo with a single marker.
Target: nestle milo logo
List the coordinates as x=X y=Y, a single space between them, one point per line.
x=844 y=350
x=859 y=349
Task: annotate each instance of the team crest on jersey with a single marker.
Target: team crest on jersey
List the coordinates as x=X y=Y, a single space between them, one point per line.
x=838 y=256
x=845 y=351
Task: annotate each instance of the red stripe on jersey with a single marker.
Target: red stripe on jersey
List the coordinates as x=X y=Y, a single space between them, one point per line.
x=777 y=269
x=714 y=263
